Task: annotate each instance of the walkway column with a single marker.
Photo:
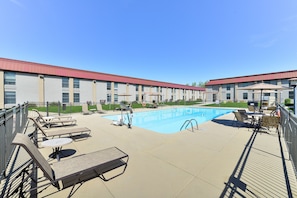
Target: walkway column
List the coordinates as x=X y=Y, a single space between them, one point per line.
x=235 y=92
x=71 y=91
x=220 y=93
x=139 y=93
x=94 y=92
x=112 y=92
x=127 y=97
x=41 y=89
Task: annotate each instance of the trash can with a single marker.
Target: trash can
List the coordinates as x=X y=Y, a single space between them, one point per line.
x=64 y=107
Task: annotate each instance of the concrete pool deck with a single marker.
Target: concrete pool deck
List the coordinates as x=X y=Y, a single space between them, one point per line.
x=218 y=160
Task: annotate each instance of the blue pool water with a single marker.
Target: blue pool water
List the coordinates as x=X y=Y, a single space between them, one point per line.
x=170 y=120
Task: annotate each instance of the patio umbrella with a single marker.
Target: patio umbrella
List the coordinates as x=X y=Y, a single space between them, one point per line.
x=155 y=94
x=125 y=95
x=262 y=87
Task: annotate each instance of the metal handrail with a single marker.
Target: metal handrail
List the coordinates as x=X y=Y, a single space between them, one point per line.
x=189 y=122
x=196 y=122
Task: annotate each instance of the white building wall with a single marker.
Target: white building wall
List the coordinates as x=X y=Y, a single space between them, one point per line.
x=52 y=89
x=145 y=93
x=85 y=90
x=121 y=89
x=26 y=88
x=101 y=91
x=38 y=87
x=162 y=94
x=132 y=92
x=169 y=94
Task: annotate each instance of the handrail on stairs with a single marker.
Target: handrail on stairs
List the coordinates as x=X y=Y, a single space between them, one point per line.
x=187 y=122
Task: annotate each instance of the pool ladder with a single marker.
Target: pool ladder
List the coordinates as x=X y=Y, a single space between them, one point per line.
x=187 y=122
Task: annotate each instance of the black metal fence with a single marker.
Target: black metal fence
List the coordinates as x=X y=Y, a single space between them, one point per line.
x=18 y=172
x=12 y=121
x=289 y=130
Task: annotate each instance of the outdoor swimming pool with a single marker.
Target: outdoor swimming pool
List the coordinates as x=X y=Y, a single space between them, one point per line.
x=170 y=120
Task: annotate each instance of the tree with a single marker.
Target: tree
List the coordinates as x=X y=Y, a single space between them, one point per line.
x=200 y=84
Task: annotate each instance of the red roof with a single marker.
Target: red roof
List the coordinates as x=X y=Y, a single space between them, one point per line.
x=254 y=78
x=43 y=69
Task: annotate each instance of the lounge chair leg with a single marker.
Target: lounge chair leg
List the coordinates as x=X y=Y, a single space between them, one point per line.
x=73 y=189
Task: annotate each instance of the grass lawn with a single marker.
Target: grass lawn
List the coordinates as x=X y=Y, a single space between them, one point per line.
x=54 y=108
x=230 y=104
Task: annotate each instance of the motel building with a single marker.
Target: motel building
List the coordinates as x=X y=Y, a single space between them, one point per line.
x=36 y=83
x=232 y=89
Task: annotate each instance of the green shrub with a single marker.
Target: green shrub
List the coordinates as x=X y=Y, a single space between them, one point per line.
x=287 y=101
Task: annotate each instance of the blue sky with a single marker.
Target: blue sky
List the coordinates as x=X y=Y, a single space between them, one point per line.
x=180 y=41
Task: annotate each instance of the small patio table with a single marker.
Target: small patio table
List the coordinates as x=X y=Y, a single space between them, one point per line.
x=256 y=116
x=56 y=144
x=48 y=118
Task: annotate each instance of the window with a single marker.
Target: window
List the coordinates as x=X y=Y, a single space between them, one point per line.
x=245 y=96
x=228 y=88
x=137 y=97
x=9 y=78
x=108 y=84
x=291 y=94
x=75 y=83
x=65 y=97
x=116 y=98
x=108 y=98
x=76 y=97
x=228 y=96
x=9 y=97
x=136 y=87
x=65 y=82
x=116 y=85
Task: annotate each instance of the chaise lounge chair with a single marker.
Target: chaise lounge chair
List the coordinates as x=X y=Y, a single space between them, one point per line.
x=85 y=110
x=69 y=131
x=99 y=108
x=55 y=120
x=76 y=170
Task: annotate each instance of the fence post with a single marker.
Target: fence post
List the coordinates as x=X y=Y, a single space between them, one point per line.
x=47 y=108
x=59 y=108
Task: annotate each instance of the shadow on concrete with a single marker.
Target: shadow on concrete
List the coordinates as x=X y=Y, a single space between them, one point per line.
x=63 y=153
x=231 y=123
x=235 y=187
